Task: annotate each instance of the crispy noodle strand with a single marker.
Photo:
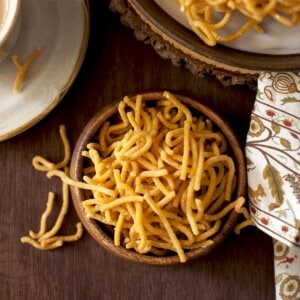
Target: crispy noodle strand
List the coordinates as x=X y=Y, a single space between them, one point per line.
x=46 y=239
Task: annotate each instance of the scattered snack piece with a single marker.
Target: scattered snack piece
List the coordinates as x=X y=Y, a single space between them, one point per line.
x=23 y=68
x=247 y=222
x=48 y=239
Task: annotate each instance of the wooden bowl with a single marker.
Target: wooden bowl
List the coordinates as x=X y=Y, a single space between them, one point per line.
x=99 y=232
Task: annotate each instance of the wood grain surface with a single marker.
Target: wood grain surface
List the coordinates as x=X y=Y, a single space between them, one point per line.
x=117 y=64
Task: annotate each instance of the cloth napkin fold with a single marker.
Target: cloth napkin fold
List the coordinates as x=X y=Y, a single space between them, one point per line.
x=273 y=165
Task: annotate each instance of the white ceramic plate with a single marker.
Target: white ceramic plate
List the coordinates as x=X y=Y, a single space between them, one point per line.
x=61 y=29
x=277 y=39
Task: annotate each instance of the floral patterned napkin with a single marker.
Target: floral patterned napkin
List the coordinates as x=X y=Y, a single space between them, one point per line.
x=273 y=164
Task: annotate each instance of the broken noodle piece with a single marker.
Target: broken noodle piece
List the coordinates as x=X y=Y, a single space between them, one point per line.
x=43 y=239
x=23 y=68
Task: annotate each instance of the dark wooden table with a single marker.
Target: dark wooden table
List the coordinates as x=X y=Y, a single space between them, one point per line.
x=117 y=64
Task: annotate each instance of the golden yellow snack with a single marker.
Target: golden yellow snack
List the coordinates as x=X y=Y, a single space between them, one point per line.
x=22 y=68
x=48 y=239
x=160 y=176
x=208 y=17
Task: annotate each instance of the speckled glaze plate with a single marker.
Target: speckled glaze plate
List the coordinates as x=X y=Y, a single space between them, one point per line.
x=174 y=30
x=61 y=29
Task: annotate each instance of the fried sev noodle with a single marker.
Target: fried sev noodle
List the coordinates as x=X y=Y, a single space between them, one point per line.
x=160 y=177
x=49 y=239
x=207 y=17
x=23 y=68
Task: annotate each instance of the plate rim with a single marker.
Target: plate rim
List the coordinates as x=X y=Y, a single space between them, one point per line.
x=12 y=132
